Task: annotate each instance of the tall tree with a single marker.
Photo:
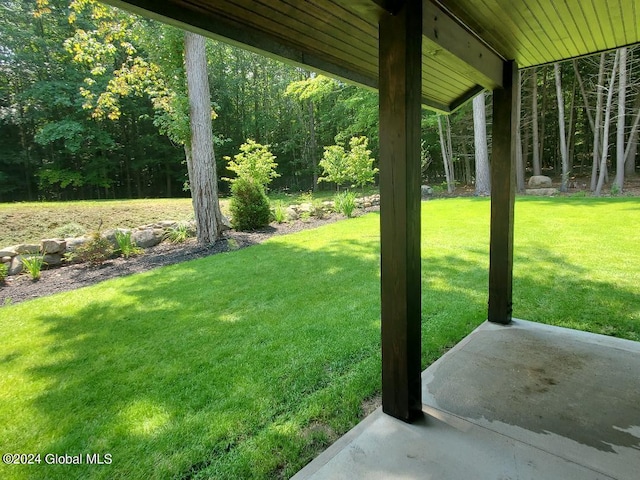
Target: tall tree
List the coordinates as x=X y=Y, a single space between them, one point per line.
x=483 y=178
x=564 y=153
x=199 y=148
x=622 y=98
x=535 y=147
x=605 y=134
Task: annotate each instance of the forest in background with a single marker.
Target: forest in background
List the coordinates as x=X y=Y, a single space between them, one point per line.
x=92 y=106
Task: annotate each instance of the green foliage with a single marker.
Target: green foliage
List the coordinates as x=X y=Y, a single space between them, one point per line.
x=126 y=246
x=615 y=189
x=179 y=233
x=279 y=211
x=345 y=203
x=95 y=251
x=335 y=165
x=254 y=163
x=313 y=88
x=33 y=264
x=354 y=166
x=361 y=168
x=249 y=205
x=69 y=230
x=4 y=272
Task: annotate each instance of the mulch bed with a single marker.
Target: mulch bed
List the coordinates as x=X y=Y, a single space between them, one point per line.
x=71 y=276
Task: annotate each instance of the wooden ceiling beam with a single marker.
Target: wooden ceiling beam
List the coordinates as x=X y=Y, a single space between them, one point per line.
x=243 y=36
x=450 y=39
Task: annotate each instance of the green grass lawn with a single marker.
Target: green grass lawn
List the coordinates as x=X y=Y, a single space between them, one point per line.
x=246 y=364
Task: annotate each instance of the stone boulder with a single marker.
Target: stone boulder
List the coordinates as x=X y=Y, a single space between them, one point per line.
x=74 y=243
x=8 y=252
x=426 y=191
x=27 y=248
x=16 y=266
x=53 y=259
x=53 y=245
x=540 y=181
x=291 y=213
x=147 y=237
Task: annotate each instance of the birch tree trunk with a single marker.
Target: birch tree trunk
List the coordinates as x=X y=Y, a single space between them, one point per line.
x=597 y=130
x=563 y=138
x=201 y=163
x=605 y=134
x=520 y=187
x=445 y=155
x=535 y=147
x=483 y=179
x=632 y=145
x=622 y=97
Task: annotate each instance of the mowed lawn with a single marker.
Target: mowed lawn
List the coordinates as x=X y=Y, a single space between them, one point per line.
x=247 y=364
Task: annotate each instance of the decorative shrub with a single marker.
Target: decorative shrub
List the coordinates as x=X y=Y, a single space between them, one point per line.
x=178 y=234
x=345 y=203
x=279 y=212
x=126 y=246
x=95 y=251
x=4 y=271
x=33 y=265
x=249 y=205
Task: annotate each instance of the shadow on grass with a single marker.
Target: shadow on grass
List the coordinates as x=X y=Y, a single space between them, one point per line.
x=215 y=368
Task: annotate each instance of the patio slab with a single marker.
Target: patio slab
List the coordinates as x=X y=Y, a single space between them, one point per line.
x=523 y=401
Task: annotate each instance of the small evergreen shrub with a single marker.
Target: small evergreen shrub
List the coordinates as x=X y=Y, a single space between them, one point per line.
x=345 y=203
x=4 y=271
x=95 y=251
x=249 y=205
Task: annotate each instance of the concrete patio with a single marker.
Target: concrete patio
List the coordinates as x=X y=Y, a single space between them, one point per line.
x=522 y=401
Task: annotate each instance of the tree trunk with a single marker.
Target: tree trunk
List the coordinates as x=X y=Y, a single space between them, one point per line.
x=445 y=154
x=563 y=138
x=520 y=186
x=483 y=178
x=313 y=144
x=597 y=130
x=632 y=144
x=622 y=98
x=543 y=115
x=201 y=163
x=535 y=147
x=605 y=134
x=452 y=173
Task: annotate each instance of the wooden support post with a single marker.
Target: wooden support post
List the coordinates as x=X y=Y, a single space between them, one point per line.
x=503 y=180
x=400 y=112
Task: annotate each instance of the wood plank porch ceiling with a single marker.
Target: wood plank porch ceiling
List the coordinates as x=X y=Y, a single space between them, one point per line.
x=464 y=41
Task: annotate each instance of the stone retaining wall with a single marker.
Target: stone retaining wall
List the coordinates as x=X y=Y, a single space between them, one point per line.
x=55 y=249
x=145 y=236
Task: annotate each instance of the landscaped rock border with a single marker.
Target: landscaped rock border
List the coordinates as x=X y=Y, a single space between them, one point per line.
x=145 y=236
x=55 y=249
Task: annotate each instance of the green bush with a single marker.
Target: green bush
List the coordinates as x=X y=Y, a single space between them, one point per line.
x=345 y=203
x=95 y=251
x=249 y=205
x=279 y=212
x=33 y=265
x=4 y=271
x=178 y=234
x=126 y=246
